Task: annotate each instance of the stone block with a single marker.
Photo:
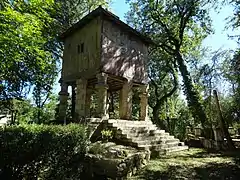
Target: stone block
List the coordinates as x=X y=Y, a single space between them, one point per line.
x=110 y=165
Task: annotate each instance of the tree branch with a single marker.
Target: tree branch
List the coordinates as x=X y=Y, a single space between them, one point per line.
x=170 y=93
x=183 y=22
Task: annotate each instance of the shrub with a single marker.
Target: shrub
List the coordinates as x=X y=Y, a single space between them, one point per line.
x=106 y=135
x=42 y=151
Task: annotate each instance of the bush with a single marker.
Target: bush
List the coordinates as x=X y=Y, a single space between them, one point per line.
x=42 y=151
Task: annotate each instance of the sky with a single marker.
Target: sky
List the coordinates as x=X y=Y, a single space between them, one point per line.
x=220 y=39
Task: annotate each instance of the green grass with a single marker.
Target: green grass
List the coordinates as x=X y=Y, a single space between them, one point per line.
x=192 y=164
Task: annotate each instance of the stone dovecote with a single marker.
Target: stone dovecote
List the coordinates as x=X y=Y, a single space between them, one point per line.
x=102 y=54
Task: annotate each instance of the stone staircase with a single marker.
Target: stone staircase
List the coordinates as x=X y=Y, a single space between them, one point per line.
x=143 y=135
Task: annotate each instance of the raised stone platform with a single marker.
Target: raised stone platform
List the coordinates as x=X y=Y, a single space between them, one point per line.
x=143 y=135
x=108 y=160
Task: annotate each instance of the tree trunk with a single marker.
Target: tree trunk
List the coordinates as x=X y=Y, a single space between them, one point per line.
x=38 y=115
x=191 y=94
x=223 y=123
x=156 y=118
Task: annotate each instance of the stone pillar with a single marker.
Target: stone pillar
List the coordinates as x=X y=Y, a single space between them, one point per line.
x=144 y=103
x=218 y=134
x=88 y=102
x=73 y=109
x=125 y=101
x=101 y=90
x=80 y=98
x=198 y=131
x=218 y=137
x=63 y=102
x=188 y=131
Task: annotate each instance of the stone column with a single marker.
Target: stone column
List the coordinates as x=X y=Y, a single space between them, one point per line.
x=88 y=102
x=125 y=101
x=188 y=131
x=144 y=103
x=73 y=109
x=198 y=131
x=101 y=90
x=63 y=102
x=80 y=98
x=218 y=135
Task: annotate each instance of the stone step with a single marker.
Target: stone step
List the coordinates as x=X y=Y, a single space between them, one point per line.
x=173 y=140
x=133 y=133
x=146 y=130
x=150 y=128
x=130 y=135
x=140 y=143
x=146 y=138
x=158 y=131
x=159 y=151
x=158 y=147
x=169 y=142
x=176 y=149
x=172 y=144
x=152 y=138
x=118 y=121
x=181 y=144
x=137 y=130
x=127 y=126
x=143 y=135
x=144 y=147
x=129 y=123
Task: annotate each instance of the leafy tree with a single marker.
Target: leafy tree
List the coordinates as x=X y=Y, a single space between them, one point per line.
x=178 y=28
x=24 y=56
x=30 y=49
x=163 y=82
x=71 y=11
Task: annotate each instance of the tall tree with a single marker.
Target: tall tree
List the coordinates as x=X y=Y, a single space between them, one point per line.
x=23 y=51
x=163 y=82
x=30 y=49
x=178 y=27
x=71 y=11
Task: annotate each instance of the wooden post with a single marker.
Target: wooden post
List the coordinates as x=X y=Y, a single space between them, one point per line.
x=223 y=124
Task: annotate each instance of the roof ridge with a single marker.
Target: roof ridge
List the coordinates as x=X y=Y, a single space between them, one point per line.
x=98 y=12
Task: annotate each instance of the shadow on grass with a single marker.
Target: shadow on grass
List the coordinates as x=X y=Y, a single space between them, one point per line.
x=194 y=164
x=212 y=171
x=207 y=154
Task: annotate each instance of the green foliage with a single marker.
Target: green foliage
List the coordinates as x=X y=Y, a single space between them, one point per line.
x=71 y=11
x=43 y=152
x=25 y=60
x=97 y=148
x=178 y=28
x=106 y=135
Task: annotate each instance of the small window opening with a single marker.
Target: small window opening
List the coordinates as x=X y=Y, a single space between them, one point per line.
x=80 y=48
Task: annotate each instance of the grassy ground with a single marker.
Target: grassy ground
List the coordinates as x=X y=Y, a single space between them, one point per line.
x=192 y=164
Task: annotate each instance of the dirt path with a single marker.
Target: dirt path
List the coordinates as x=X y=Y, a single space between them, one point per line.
x=193 y=164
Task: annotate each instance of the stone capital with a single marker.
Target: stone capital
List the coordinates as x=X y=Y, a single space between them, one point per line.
x=64 y=87
x=102 y=78
x=63 y=93
x=143 y=95
x=101 y=86
x=81 y=82
x=144 y=89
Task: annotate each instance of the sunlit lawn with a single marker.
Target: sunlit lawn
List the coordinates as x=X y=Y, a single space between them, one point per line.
x=193 y=164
